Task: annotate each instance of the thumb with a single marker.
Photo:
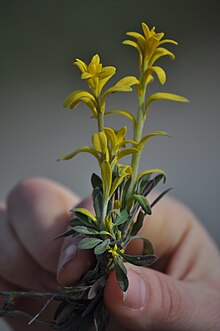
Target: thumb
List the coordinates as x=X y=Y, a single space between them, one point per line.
x=153 y=301
x=73 y=262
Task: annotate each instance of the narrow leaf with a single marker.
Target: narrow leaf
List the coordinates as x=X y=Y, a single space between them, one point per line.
x=151 y=171
x=106 y=172
x=121 y=277
x=142 y=200
x=139 y=260
x=126 y=151
x=98 y=285
x=164 y=96
x=84 y=230
x=101 y=248
x=138 y=223
x=96 y=181
x=152 y=183
x=161 y=75
x=123 y=113
x=122 y=218
x=98 y=203
x=85 y=212
x=145 y=139
x=86 y=149
x=99 y=141
x=88 y=243
x=160 y=197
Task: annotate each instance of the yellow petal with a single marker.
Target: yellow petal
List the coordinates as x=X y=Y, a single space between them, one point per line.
x=81 y=65
x=139 y=37
x=168 y=41
x=99 y=141
x=121 y=135
x=160 y=74
x=111 y=137
x=106 y=173
x=150 y=47
x=135 y=45
x=159 y=52
x=95 y=60
x=86 y=75
x=146 y=30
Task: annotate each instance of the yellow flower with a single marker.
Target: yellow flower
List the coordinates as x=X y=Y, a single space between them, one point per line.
x=95 y=74
x=149 y=48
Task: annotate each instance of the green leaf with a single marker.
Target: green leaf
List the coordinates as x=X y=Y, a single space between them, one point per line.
x=142 y=200
x=123 y=113
x=96 y=181
x=160 y=197
x=139 y=260
x=88 y=243
x=98 y=285
x=117 y=181
x=84 y=149
x=106 y=172
x=85 y=212
x=66 y=234
x=151 y=171
x=84 y=230
x=121 y=276
x=138 y=223
x=101 y=248
x=98 y=203
x=148 y=246
x=83 y=220
x=164 y=96
x=122 y=218
x=152 y=183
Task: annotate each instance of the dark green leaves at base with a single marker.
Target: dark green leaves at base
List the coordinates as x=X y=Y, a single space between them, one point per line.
x=140 y=260
x=121 y=275
x=88 y=243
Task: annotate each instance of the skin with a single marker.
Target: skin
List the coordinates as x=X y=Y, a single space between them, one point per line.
x=181 y=291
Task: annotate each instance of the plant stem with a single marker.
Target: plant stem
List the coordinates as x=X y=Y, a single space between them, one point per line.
x=138 y=130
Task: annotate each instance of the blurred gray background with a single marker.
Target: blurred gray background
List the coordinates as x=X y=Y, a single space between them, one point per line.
x=39 y=41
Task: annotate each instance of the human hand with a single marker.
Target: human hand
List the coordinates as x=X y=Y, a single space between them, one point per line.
x=37 y=213
x=183 y=293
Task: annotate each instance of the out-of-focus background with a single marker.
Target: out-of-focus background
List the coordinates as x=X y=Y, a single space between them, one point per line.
x=39 y=41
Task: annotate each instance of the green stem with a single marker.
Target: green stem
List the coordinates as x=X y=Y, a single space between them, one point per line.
x=100 y=117
x=138 y=130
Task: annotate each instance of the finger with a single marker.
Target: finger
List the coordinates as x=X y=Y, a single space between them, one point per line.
x=38 y=211
x=181 y=243
x=17 y=266
x=73 y=261
x=155 y=301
